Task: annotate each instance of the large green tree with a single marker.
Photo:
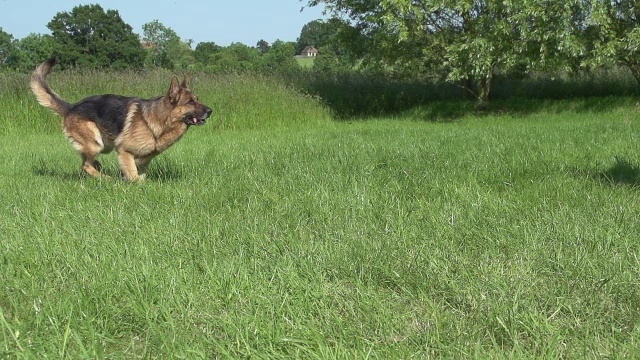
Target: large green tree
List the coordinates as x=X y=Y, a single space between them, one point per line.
x=319 y=33
x=163 y=45
x=88 y=36
x=204 y=51
x=312 y=34
x=466 y=41
x=263 y=46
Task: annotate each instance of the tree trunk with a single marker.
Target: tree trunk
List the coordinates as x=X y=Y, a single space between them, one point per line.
x=467 y=85
x=635 y=71
x=484 y=89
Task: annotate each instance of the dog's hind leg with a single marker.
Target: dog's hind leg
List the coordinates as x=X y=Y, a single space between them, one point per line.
x=90 y=165
x=86 y=138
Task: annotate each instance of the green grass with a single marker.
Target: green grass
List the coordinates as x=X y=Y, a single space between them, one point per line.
x=306 y=63
x=247 y=102
x=502 y=235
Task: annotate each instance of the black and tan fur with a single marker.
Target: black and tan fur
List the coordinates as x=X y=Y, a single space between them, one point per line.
x=137 y=129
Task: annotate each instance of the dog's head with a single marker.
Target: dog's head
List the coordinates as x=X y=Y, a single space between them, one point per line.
x=186 y=106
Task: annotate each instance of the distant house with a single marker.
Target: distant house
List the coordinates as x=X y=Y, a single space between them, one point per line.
x=309 y=51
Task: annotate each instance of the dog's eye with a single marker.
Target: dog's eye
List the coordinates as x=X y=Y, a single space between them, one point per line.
x=191 y=102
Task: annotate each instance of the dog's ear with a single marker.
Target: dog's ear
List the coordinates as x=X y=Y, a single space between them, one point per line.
x=185 y=82
x=174 y=90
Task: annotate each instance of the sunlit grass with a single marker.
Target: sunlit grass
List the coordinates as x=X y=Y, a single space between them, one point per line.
x=483 y=237
x=239 y=101
x=273 y=232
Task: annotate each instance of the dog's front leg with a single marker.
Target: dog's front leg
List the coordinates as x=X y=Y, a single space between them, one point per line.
x=127 y=165
x=143 y=165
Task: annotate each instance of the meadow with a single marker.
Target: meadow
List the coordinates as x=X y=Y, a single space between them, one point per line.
x=305 y=62
x=292 y=227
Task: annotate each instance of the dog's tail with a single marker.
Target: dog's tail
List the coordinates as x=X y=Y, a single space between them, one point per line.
x=47 y=97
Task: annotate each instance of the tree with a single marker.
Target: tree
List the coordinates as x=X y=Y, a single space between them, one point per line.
x=89 y=36
x=465 y=40
x=280 y=57
x=310 y=35
x=342 y=45
x=328 y=62
x=263 y=46
x=163 y=45
x=319 y=33
x=247 y=57
x=617 y=34
x=204 y=50
x=236 y=57
x=223 y=61
x=33 y=50
x=8 y=49
x=185 y=59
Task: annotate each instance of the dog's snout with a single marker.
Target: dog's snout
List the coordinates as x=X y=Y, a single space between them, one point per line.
x=207 y=111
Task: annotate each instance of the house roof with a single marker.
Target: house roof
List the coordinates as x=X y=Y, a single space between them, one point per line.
x=309 y=49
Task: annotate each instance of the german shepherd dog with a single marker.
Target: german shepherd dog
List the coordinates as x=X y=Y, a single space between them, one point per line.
x=137 y=129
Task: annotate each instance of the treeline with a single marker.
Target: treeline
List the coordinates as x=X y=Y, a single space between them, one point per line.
x=90 y=37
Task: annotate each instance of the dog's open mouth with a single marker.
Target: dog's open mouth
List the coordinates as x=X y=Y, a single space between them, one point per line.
x=192 y=120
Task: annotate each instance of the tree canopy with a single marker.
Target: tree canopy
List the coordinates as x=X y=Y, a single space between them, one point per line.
x=88 y=36
x=467 y=41
x=615 y=34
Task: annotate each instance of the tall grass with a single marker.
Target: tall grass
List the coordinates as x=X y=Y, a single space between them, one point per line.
x=239 y=101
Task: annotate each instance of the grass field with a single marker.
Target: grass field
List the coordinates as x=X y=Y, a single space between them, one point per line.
x=275 y=232
x=306 y=63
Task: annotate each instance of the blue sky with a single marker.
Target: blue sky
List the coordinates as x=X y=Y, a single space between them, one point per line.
x=220 y=21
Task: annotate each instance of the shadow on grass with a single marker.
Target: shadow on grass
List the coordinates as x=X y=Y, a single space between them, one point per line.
x=163 y=171
x=623 y=173
x=454 y=110
x=352 y=96
x=46 y=169
x=527 y=106
x=360 y=96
